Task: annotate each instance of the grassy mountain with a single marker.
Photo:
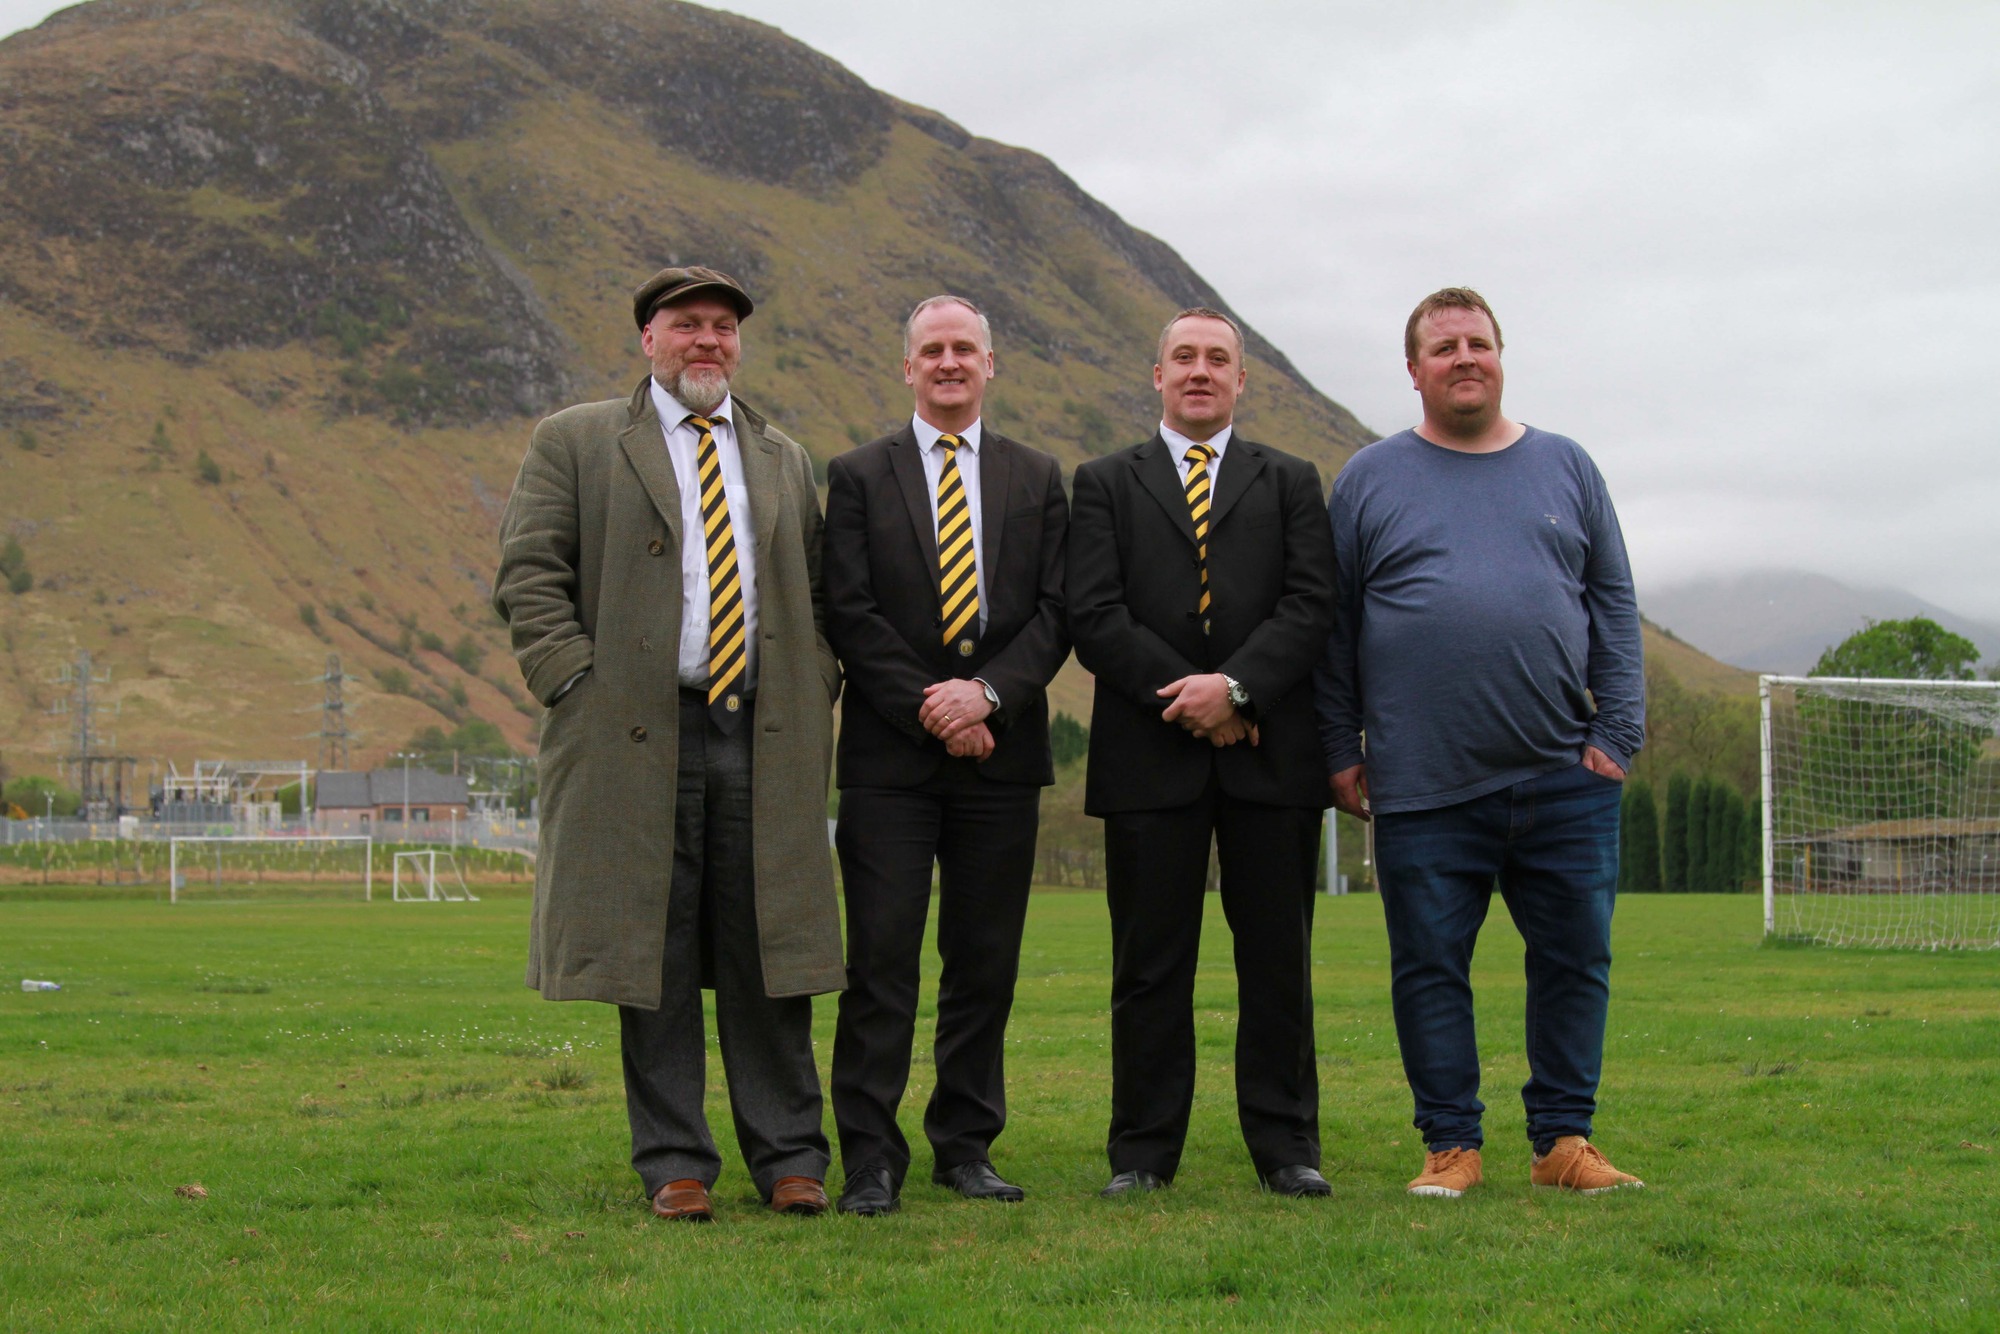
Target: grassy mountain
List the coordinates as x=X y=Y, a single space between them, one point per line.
x=284 y=284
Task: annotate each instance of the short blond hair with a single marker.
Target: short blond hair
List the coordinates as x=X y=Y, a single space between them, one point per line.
x=1198 y=313
x=1449 y=298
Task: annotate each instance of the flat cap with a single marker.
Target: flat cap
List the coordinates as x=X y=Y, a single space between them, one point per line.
x=675 y=284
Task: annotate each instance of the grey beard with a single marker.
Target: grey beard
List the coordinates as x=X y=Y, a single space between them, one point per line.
x=700 y=394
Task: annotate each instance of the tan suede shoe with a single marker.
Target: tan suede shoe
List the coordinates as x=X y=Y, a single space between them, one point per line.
x=1448 y=1173
x=1575 y=1164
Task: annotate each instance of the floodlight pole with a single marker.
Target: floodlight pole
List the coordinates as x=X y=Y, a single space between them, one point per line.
x=406 y=756
x=1764 y=777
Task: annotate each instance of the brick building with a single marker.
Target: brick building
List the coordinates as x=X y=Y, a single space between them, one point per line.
x=352 y=802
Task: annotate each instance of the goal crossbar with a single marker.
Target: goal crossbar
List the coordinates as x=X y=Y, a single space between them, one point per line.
x=177 y=846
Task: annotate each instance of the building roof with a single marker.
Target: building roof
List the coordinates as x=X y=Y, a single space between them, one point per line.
x=354 y=790
x=1892 y=831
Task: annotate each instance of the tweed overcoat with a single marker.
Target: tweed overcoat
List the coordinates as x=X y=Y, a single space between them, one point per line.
x=590 y=577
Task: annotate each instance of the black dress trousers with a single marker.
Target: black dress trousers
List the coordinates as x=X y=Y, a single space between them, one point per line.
x=980 y=835
x=1156 y=868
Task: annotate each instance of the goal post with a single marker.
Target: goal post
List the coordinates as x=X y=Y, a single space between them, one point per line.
x=1881 y=811
x=430 y=875
x=244 y=866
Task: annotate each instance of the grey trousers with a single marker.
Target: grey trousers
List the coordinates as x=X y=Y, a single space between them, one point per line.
x=767 y=1055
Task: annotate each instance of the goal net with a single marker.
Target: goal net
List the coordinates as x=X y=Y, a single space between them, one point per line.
x=429 y=876
x=243 y=867
x=1882 y=812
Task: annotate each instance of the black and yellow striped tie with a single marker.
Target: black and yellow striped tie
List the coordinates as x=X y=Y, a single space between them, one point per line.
x=727 y=649
x=958 y=557
x=1197 y=499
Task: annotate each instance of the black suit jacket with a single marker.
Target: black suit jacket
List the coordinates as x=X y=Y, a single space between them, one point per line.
x=1134 y=583
x=880 y=568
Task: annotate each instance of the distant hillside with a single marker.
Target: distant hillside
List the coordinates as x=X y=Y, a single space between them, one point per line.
x=1782 y=620
x=1690 y=666
x=284 y=283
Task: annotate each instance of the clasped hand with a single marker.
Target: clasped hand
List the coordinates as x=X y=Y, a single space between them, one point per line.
x=955 y=713
x=1201 y=706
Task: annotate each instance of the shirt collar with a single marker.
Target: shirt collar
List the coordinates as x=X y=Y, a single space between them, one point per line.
x=1180 y=444
x=927 y=435
x=673 y=412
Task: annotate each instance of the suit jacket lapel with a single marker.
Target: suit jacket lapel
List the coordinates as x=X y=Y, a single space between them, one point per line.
x=1240 y=466
x=906 y=460
x=1154 y=463
x=995 y=468
x=645 y=446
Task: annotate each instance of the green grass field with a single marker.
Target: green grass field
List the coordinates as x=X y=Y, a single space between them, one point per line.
x=393 y=1133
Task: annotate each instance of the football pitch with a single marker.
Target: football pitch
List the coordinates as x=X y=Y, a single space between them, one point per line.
x=352 y=1115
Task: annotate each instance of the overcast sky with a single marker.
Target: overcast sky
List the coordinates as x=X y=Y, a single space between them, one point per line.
x=1747 y=254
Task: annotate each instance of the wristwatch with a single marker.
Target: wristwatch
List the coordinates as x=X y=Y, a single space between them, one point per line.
x=1239 y=698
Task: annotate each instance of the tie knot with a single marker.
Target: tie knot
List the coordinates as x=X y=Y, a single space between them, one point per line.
x=1200 y=453
x=699 y=422
x=949 y=443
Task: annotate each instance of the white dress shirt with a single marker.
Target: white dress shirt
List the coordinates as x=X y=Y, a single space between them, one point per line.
x=968 y=476
x=1180 y=444
x=683 y=442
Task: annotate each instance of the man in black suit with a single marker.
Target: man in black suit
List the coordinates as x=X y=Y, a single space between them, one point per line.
x=1200 y=594
x=943 y=565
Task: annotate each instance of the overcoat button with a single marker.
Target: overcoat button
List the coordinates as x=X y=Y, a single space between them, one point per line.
x=655 y=547
x=638 y=734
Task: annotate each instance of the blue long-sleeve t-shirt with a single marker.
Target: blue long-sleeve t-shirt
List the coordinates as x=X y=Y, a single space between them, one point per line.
x=1483 y=602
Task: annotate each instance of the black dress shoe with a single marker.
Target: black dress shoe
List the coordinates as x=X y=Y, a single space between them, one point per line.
x=1130 y=1183
x=978 y=1181
x=1299 y=1182
x=869 y=1193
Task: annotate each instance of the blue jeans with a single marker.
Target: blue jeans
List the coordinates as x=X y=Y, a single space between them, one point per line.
x=1551 y=843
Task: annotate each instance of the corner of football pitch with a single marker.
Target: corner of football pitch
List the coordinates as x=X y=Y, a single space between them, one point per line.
x=340 y=1114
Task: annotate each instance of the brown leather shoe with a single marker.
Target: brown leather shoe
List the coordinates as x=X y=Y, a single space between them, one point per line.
x=684 y=1201
x=798 y=1195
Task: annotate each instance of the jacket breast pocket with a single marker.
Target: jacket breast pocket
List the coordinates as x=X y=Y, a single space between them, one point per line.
x=1023 y=519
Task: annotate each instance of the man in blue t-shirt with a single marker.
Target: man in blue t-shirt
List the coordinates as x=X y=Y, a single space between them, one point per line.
x=1486 y=645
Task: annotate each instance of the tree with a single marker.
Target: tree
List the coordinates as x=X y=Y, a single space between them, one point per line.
x=1700 y=809
x=1753 y=841
x=1639 y=840
x=1918 y=649
x=473 y=739
x=1913 y=755
x=14 y=567
x=1069 y=740
x=1725 y=840
x=1674 y=846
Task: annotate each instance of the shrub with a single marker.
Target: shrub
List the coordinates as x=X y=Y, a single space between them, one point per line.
x=31 y=793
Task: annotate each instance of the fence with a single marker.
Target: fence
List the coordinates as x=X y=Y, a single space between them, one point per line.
x=478 y=831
